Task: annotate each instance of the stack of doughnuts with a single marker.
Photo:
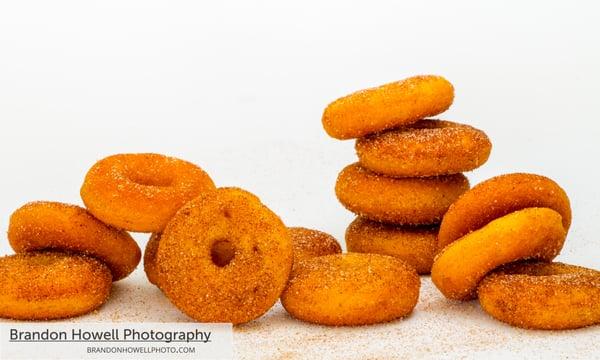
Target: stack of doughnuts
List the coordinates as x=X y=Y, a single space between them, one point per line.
x=409 y=170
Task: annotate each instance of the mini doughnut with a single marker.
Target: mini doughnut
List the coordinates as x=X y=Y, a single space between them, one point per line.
x=141 y=192
x=150 y=258
x=549 y=296
x=309 y=243
x=351 y=289
x=414 y=245
x=531 y=233
x=51 y=285
x=387 y=106
x=411 y=201
x=499 y=196
x=45 y=225
x=425 y=148
x=209 y=287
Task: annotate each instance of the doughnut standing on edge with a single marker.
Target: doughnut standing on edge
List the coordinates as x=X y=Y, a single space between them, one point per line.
x=408 y=201
x=45 y=225
x=224 y=257
x=388 y=106
x=425 y=148
x=50 y=285
x=150 y=258
x=141 y=192
x=351 y=289
x=500 y=196
x=415 y=245
x=309 y=243
x=532 y=233
x=549 y=296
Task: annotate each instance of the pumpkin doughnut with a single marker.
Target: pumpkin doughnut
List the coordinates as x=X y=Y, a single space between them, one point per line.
x=425 y=148
x=414 y=245
x=45 y=225
x=531 y=233
x=51 y=285
x=141 y=192
x=411 y=201
x=499 y=196
x=549 y=296
x=200 y=281
x=150 y=258
x=387 y=106
x=351 y=289
x=309 y=243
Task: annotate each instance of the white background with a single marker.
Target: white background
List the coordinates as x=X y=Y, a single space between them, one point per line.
x=239 y=88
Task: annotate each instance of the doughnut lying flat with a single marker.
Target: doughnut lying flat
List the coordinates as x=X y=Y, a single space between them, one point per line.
x=531 y=233
x=351 y=289
x=47 y=225
x=309 y=243
x=425 y=148
x=415 y=245
x=141 y=192
x=499 y=196
x=150 y=258
x=48 y=285
x=411 y=201
x=387 y=106
x=550 y=296
x=209 y=288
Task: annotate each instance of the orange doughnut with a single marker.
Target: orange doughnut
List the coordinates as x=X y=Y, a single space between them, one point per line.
x=425 y=148
x=309 y=243
x=351 y=289
x=45 y=225
x=549 y=296
x=150 y=258
x=531 y=233
x=398 y=200
x=387 y=106
x=211 y=288
x=49 y=285
x=499 y=196
x=141 y=192
x=414 y=245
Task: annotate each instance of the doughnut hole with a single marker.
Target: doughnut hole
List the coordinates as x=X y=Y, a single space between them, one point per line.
x=151 y=178
x=222 y=252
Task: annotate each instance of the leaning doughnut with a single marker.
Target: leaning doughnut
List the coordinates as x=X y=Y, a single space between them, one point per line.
x=141 y=192
x=532 y=233
x=550 y=296
x=150 y=258
x=309 y=243
x=387 y=106
x=415 y=245
x=425 y=148
x=45 y=225
x=237 y=288
x=351 y=289
x=499 y=196
x=49 y=285
x=411 y=201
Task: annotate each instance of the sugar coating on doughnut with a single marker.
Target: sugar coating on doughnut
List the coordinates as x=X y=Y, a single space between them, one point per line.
x=351 y=289
x=309 y=243
x=200 y=281
x=415 y=245
x=44 y=225
x=550 y=296
x=387 y=106
x=425 y=148
x=499 y=196
x=413 y=201
x=150 y=258
x=141 y=192
x=531 y=233
x=51 y=285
